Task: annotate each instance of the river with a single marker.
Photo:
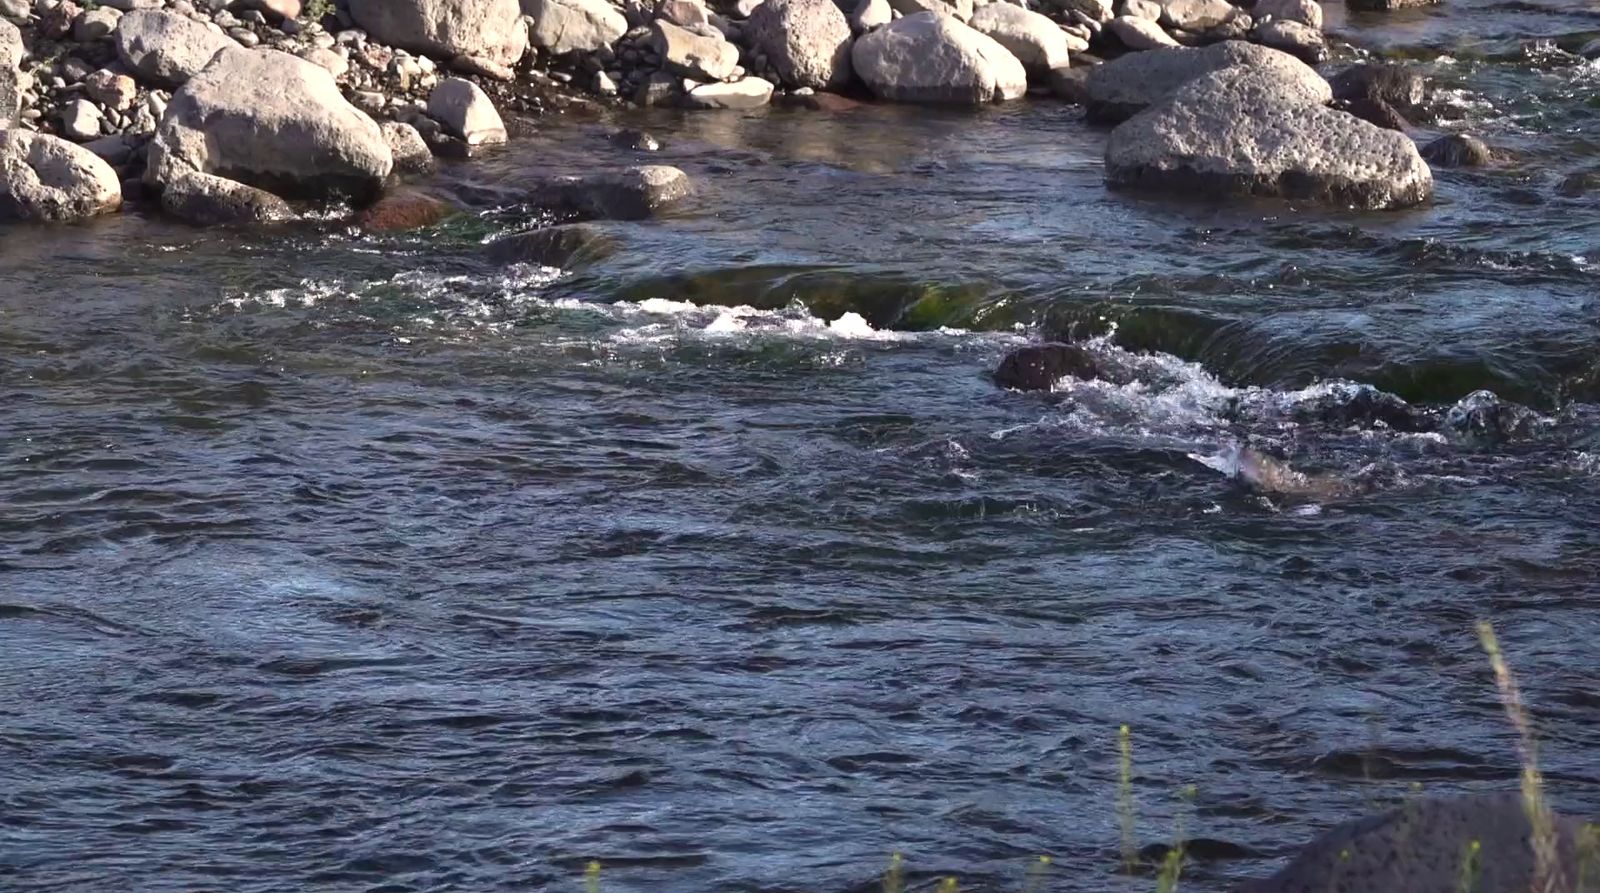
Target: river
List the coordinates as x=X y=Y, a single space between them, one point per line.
x=345 y=562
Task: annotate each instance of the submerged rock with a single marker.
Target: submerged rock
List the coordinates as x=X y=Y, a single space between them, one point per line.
x=1481 y=415
x=1037 y=367
x=212 y=201
x=936 y=59
x=1038 y=43
x=1376 y=112
x=1388 y=5
x=165 y=48
x=1243 y=132
x=1394 y=84
x=1458 y=150
x=273 y=121
x=1422 y=846
x=406 y=210
x=566 y=246
x=1119 y=89
x=632 y=194
x=488 y=29
x=49 y=179
x=807 y=42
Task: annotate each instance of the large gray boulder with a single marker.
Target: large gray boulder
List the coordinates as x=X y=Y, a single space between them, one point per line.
x=46 y=178
x=11 y=86
x=273 y=121
x=165 y=48
x=466 y=112
x=573 y=26
x=1038 y=43
x=1244 y=131
x=487 y=29
x=1121 y=88
x=1429 y=844
x=807 y=41
x=934 y=58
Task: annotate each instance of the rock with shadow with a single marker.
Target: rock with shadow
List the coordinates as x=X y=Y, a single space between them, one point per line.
x=1480 y=843
x=1037 y=367
x=566 y=246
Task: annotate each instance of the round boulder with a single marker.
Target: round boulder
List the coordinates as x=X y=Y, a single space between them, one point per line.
x=46 y=178
x=807 y=41
x=1038 y=43
x=1244 y=132
x=569 y=26
x=1458 y=150
x=273 y=121
x=488 y=29
x=934 y=58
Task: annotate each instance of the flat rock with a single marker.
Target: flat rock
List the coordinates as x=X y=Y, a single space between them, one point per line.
x=1244 y=132
x=573 y=26
x=936 y=59
x=1119 y=89
x=1140 y=34
x=492 y=29
x=1458 y=150
x=206 y=200
x=566 y=246
x=633 y=194
x=11 y=85
x=692 y=55
x=409 y=150
x=1038 y=43
x=49 y=179
x=273 y=121
x=1420 y=846
x=466 y=112
x=165 y=48
x=743 y=94
x=807 y=42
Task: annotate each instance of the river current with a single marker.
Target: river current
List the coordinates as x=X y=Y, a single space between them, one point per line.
x=336 y=561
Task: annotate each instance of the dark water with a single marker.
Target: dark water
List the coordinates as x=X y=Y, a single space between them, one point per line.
x=332 y=562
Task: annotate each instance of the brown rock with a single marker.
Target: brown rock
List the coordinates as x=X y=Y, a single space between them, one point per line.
x=405 y=210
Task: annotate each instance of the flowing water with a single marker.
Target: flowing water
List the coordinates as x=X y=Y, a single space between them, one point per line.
x=343 y=562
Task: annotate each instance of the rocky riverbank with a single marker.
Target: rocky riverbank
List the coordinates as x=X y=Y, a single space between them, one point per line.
x=224 y=111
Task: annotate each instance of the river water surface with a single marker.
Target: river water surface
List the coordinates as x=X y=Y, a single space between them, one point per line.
x=343 y=562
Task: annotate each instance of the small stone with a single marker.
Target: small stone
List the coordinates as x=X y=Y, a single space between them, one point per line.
x=410 y=150
x=245 y=37
x=565 y=246
x=1306 y=12
x=604 y=84
x=638 y=140
x=110 y=89
x=336 y=64
x=466 y=112
x=80 y=121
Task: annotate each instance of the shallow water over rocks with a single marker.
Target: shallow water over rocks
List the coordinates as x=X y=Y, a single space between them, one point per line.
x=358 y=562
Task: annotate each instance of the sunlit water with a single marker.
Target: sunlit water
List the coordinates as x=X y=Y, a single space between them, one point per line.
x=332 y=561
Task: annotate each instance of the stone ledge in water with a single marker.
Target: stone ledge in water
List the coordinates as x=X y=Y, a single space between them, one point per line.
x=273 y=121
x=1421 y=846
x=633 y=194
x=46 y=178
x=1244 y=132
x=565 y=246
x=1119 y=89
x=1037 y=367
x=934 y=58
x=205 y=200
x=1458 y=150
